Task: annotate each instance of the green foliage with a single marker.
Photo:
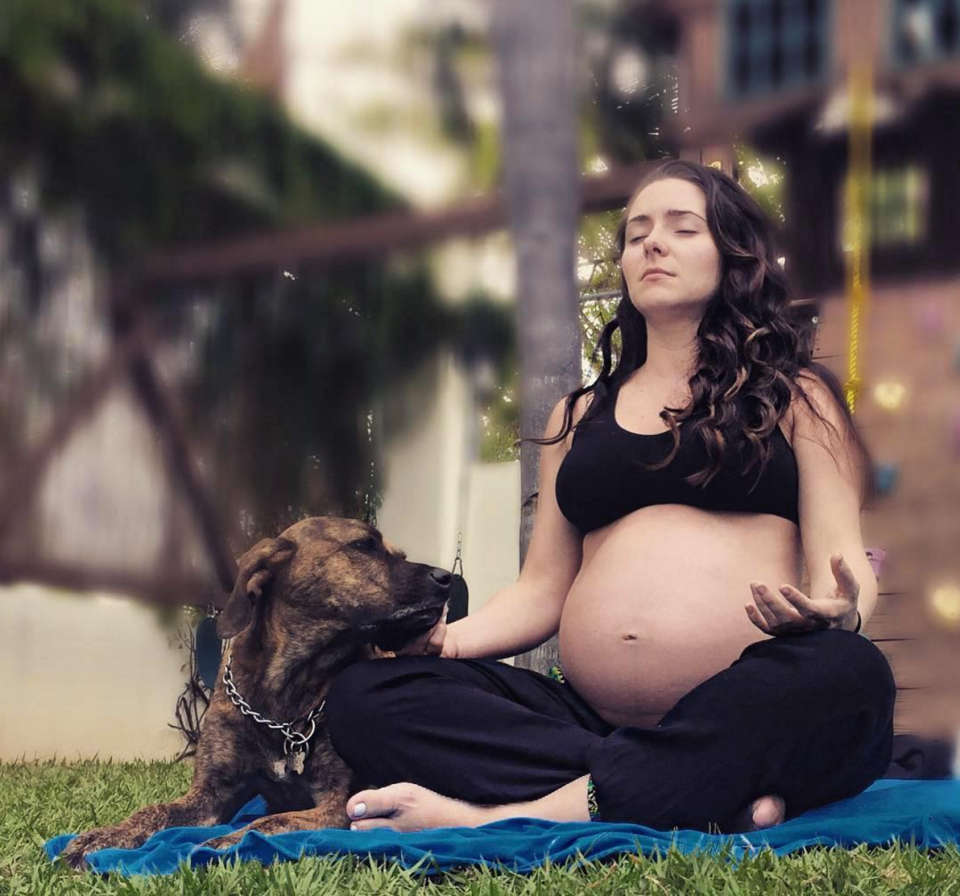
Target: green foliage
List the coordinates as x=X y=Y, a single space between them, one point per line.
x=600 y=274
x=597 y=251
x=41 y=800
x=289 y=368
x=500 y=422
x=124 y=120
x=115 y=117
x=623 y=117
x=763 y=178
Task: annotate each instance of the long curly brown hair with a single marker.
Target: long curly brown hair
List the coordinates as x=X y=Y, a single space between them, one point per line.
x=750 y=354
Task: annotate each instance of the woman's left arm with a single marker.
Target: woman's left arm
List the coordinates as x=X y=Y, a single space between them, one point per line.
x=829 y=471
x=830 y=476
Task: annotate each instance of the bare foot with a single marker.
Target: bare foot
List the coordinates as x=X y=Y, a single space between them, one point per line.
x=762 y=813
x=409 y=807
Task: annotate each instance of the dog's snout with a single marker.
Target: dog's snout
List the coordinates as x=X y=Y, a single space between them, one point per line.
x=441 y=577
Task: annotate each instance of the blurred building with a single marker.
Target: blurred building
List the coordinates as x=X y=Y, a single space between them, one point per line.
x=775 y=73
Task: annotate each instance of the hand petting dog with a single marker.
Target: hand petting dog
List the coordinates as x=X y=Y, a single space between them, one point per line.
x=431 y=643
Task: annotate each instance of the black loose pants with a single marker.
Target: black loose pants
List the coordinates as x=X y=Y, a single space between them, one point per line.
x=809 y=717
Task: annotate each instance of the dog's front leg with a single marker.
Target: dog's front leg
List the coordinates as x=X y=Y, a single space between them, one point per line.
x=194 y=808
x=198 y=807
x=330 y=812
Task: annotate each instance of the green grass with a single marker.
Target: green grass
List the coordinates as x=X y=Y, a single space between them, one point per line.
x=41 y=799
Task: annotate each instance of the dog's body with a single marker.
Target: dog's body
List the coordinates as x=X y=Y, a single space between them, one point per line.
x=323 y=595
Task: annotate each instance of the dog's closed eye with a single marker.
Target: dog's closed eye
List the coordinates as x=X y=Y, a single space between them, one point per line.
x=368 y=545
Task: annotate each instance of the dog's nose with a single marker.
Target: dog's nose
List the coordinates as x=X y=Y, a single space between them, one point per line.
x=441 y=577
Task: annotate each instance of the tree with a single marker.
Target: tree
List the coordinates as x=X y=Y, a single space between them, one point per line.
x=535 y=47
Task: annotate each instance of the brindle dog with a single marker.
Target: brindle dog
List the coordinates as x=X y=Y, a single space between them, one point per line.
x=324 y=594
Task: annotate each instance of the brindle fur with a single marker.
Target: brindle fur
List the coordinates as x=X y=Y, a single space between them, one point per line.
x=298 y=614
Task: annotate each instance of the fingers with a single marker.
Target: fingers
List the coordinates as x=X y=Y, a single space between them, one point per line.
x=804 y=606
x=774 y=608
x=844 y=575
x=438 y=635
x=429 y=643
x=754 y=614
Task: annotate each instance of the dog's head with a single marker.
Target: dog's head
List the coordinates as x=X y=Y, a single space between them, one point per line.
x=326 y=578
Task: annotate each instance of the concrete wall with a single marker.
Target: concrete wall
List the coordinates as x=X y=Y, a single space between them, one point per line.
x=85 y=675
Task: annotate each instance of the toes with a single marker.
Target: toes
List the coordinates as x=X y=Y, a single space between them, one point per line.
x=768 y=811
x=384 y=802
x=371 y=824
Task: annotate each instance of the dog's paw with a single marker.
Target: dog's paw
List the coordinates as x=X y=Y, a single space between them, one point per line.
x=75 y=855
x=73 y=858
x=226 y=841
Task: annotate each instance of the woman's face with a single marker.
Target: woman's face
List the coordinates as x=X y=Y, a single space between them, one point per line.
x=667 y=229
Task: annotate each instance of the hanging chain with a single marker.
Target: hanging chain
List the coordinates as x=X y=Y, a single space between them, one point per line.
x=294 y=741
x=858 y=211
x=459 y=558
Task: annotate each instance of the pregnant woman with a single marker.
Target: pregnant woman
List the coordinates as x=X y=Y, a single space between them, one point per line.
x=681 y=495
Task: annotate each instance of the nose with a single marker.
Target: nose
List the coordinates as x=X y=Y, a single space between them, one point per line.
x=652 y=244
x=441 y=577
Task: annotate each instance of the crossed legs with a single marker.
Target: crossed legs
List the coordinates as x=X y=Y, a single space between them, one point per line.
x=807 y=717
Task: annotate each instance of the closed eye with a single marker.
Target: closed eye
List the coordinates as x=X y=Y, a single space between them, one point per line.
x=368 y=545
x=637 y=239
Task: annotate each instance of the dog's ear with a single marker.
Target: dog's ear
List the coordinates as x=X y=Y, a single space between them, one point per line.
x=257 y=568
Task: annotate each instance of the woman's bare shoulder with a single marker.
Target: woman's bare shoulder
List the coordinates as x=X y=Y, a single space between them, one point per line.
x=557 y=423
x=581 y=406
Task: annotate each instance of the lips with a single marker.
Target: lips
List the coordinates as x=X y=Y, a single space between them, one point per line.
x=655 y=271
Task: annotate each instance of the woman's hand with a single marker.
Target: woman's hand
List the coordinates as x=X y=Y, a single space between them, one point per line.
x=790 y=612
x=431 y=643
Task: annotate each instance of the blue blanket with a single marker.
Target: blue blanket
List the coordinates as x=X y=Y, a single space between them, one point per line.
x=925 y=813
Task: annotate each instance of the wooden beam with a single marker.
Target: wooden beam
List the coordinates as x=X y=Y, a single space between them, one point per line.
x=78 y=577
x=24 y=474
x=370 y=236
x=159 y=406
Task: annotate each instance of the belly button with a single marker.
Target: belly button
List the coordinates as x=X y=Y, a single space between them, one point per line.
x=630 y=636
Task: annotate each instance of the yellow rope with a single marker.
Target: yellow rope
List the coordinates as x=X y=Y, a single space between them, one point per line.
x=857 y=196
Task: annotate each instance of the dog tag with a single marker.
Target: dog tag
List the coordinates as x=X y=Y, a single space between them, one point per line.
x=295 y=763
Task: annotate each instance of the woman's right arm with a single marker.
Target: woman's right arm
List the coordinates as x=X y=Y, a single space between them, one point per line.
x=525 y=613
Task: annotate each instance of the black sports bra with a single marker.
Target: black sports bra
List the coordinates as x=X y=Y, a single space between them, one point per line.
x=600 y=480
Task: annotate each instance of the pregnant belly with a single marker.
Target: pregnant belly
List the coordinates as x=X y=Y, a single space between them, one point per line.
x=658 y=605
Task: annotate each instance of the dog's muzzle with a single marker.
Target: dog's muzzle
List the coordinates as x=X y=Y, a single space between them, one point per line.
x=404 y=625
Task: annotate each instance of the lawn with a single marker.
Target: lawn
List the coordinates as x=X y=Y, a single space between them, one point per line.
x=41 y=799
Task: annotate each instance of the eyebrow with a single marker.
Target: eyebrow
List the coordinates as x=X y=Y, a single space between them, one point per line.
x=671 y=213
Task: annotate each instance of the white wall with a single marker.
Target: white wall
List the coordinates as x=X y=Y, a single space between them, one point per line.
x=434 y=487
x=85 y=675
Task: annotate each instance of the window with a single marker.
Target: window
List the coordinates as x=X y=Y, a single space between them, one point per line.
x=925 y=30
x=772 y=44
x=898 y=208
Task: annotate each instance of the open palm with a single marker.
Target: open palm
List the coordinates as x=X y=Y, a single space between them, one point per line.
x=789 y=611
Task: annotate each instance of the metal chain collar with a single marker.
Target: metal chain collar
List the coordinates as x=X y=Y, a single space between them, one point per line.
x=293 y=740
